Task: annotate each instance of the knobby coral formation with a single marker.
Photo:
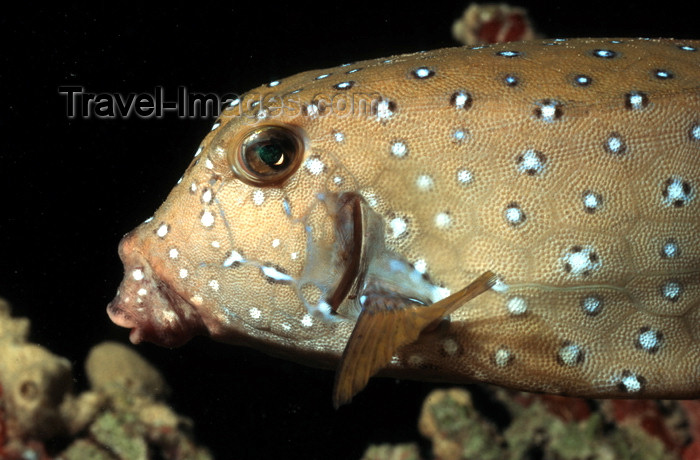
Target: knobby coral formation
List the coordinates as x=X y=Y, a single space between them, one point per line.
x=122 y=416
x=545 y=426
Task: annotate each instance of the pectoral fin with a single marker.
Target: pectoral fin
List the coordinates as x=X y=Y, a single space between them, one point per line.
x=387 y=322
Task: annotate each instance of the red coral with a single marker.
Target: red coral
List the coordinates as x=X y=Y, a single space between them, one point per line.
x=691 y=452
x=566 y=408
x=647 y=414
x=508 y=26
x=692 y=410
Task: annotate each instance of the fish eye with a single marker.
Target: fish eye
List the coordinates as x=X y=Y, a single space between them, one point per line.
x=267 y=156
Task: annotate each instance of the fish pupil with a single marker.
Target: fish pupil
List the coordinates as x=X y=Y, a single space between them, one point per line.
x=271 y=154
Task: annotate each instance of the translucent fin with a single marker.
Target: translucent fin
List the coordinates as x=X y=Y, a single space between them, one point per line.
x=386 y=323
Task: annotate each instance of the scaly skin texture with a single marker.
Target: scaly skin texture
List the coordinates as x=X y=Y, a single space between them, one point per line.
x=569 y=168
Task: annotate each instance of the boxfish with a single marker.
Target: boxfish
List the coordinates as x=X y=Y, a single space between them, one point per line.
x=522 y=214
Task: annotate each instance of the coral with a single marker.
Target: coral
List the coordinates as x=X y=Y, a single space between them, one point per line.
x=456 y=428
x=121 y=417
x=34 y=381
x=542 y=426
x=390 y=452
x=692 y=408
x=659 y=419
x=134 y=419
x=492 y=23
x=112 y=366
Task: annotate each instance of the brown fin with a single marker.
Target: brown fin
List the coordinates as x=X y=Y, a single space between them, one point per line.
x=386 y=323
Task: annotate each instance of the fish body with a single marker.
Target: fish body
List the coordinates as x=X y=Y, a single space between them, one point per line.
x=569 y=168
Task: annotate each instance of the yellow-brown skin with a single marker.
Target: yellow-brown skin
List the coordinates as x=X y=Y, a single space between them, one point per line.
x=600 y=291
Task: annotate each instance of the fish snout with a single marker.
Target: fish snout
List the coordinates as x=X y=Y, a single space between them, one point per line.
x=148 y=305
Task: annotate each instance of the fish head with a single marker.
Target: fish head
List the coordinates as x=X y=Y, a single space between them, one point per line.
x=249 y=244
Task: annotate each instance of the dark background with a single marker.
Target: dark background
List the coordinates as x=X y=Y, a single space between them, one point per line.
x=69 y=189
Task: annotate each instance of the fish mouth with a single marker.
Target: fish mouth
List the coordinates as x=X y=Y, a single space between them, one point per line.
x=148 y=305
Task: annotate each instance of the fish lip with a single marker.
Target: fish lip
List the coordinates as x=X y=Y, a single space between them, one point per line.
x=148 y=304
x=119 y=315
x=122 y=318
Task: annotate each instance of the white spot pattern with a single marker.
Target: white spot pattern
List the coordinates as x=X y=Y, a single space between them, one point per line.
x=631 y=383
x=591 y=201
x=461 y=99
x=163 y=230
x=516 y=305
x=443 y=220
x=607 y=54
x=398 y=226
x=615 y=144
x=307 y=321
x=581 y=260
x=531 y=162
x=314 y=166
x=695 y=132
x=450 y=346
x=502 y=357
x=591 y=305
x=399 y=149
x=514 y=215
x=570 y=354
x=677 y=192
x=670 y=249
x=384 y=110
x=583 y=80
x=464 y=176
x=636 y=100
x=649 y=340
x=548 y=110
x=672 y=290
x=458 y=135
x=424 y=182
x=312 y=110
x=422 y=72
x=258 y=197
x=206 y=196
x=207 y=219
